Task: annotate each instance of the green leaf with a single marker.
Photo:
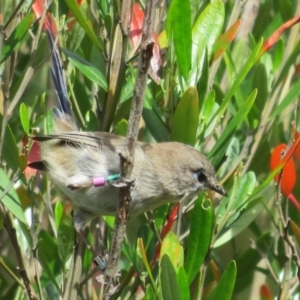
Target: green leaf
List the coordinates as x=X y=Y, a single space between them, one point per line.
x=205 y=32
x=86 y=68
x=180 y=16
x=233 y=207
x=240 y=77
x=91 y=121
x=243 y=187
x=24 y=118
x=11 y=199
x=288 y=99
x=10 y=150
x=171 y=246
x=47 y=255
x=260 y=82
x=150 y=295
x=247 y=262
x=65 y=238
x=234 y=123
x=199 y=237
x=153 y=120
x=142 y=252
x=186 y=118
x=77 y=33
x=168 y=278
x=287 y=66
x=206 y=112
x=84 y=22
x=58 y=212
x=121 y=127
x=253 y=209
x=225 y=286
x=183 y=284
x=16 y=37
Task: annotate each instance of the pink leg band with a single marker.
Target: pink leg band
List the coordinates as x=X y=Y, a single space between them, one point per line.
x=99 y=181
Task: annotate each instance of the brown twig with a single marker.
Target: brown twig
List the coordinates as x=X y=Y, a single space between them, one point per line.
x=31 y=69
x=285 y=225
x=264 y=257
x=8 y=224
x=127 y=156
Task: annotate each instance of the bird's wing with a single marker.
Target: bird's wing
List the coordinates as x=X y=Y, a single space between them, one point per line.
x=92 y=139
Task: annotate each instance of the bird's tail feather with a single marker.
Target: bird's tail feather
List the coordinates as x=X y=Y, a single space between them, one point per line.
x=58 y=79
x=63 y=115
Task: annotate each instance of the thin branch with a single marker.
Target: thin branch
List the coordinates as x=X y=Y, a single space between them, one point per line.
x=8 y=224
x=31 y=68
x=127 y=156
x=285 y=226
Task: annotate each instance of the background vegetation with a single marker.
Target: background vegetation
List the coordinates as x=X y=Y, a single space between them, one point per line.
x=224 y=78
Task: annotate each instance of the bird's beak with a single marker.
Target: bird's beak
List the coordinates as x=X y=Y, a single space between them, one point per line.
x=218 y=189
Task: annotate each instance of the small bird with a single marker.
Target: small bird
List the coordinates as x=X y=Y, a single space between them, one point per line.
x=163 y=172
x=81 y=165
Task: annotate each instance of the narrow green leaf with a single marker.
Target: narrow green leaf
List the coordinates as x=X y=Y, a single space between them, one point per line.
x=16 y=37
x=91 y=121
x=150 y=295
x=168 y=278
x=180 y=16
x=142 y=252
x=183 y=284
x=240 y=77
x=205 y=32
x=24 y=118
x=244 y=186
x=247 y=262
x=207 y=108
x=287 y=66
x=153 y=120
x=247 y=216
x=84 y=22
x=65 y=238
x=288 y=99
x=76 y=33
x=186 y=118
x=58 y=212
x=87 y=69
x=47 y=254
x=225 y=286
x=200 y=237
x=10 y=150
x=121 y=127
x=171 y=247
x=11 y=199
x=232 y=208
x=234 y=123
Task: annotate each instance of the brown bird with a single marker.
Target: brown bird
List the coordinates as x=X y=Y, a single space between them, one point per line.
x=163 y=172
x=81 y=164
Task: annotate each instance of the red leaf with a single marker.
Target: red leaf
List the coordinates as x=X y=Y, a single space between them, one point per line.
x=156 y=61
x=288 y=178
x=294 y=201
x=33 y=155
x=269 y=43
x=166 y=229
x=297 y=150
x=137 y=21
x=49 y=23
x=265 y=292
x=225 y=39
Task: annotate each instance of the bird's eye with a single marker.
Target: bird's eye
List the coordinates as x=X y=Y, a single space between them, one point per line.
x=201 y=176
